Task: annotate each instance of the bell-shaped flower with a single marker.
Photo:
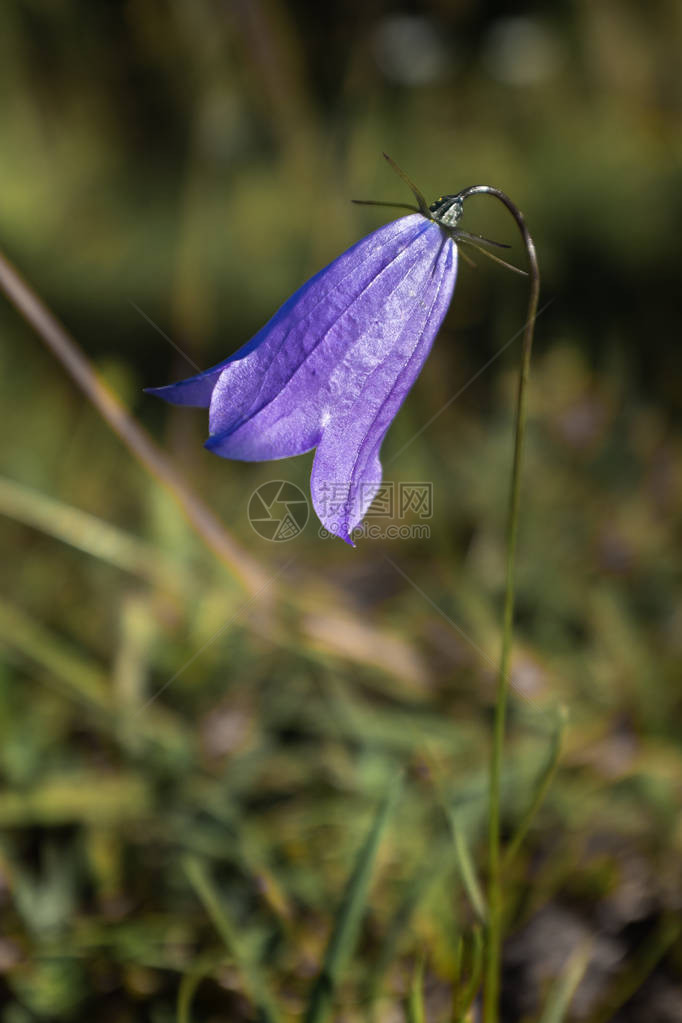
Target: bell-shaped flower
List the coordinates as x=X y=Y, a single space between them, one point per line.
x=334 y=364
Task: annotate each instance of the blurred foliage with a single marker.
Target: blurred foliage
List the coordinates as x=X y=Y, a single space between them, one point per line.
x=196 y=158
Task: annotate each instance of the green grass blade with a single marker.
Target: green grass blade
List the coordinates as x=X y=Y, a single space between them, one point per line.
x=203 y=885
x=76 y=675
x=541 y=788
x=459 y=955
x=344 y=934
x=561 y=994
x=80 y=678
x=638 y=969
x=188 y=985
x=202 y=967
x=415 y=1005
x=400 y=924
x=464 y=998
x=466 y=869
x=88 y=533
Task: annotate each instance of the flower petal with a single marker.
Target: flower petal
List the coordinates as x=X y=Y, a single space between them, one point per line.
x=347 y=472
x=195 y=391
x=254 y=374
x=328 y=344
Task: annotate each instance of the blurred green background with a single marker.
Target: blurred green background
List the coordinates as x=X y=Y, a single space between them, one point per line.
x=192 y=162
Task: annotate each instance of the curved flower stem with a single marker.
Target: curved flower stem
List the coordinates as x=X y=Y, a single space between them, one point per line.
x=491 y=987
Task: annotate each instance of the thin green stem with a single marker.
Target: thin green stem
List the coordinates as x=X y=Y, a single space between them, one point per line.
x=494 y=933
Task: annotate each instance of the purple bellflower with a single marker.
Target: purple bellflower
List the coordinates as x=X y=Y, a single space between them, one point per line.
x=332 y=367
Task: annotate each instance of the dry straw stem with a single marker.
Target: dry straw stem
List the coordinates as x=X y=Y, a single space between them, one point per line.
x=138 y=441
